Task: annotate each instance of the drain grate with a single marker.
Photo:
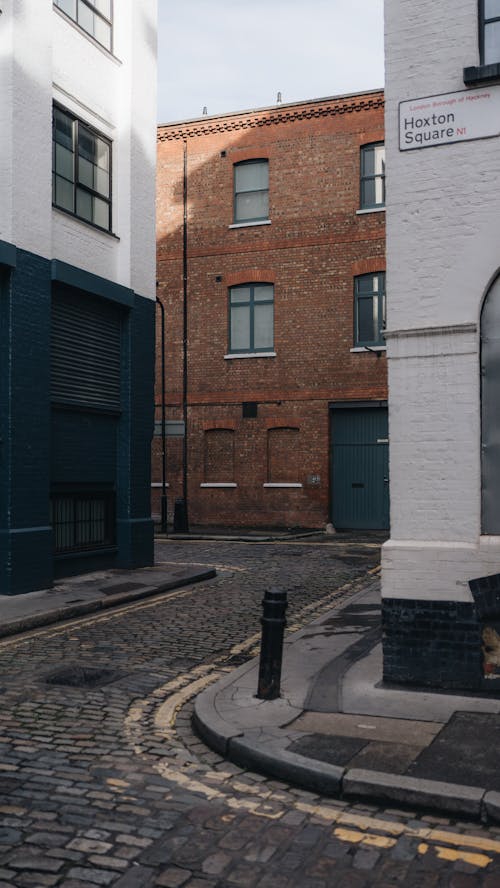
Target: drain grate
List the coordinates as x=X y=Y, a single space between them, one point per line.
x=82 y=676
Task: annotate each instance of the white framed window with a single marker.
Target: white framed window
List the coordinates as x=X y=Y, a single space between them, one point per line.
x=251 y=318
x=372 y=181
x=251 y=191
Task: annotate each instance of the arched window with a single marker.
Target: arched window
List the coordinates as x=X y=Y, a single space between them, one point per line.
x=490 y=412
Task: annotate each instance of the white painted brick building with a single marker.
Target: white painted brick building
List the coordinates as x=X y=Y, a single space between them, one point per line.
x=443 y=254
x=77 y=286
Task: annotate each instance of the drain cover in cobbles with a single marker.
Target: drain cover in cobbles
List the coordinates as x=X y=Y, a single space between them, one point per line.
x=82 y=676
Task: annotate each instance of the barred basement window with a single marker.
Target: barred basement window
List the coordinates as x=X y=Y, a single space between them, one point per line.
x=92 y=16
x=82 y=521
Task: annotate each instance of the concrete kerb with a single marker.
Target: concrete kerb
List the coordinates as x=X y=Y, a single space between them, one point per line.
x=73 y=611
x=256 y=734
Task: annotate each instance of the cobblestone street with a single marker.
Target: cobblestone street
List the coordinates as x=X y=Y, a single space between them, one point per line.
x=103 y=782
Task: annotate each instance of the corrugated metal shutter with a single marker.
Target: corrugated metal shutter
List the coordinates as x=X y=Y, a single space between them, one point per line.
x=85 y=352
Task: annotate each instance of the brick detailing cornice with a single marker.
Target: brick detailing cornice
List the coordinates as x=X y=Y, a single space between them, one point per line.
x=269 y=117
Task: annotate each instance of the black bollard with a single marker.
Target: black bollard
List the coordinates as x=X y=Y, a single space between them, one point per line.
x=273 y=623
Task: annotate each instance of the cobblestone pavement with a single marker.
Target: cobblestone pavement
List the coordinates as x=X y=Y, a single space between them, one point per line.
x=106 y=784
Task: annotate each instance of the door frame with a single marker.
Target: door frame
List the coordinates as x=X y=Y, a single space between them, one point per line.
x=344 y=405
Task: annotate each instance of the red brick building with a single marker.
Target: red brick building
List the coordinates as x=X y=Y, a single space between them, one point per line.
x=271 y=240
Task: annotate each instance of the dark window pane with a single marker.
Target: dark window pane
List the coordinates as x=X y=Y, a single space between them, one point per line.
x=63 y=162
x=364 y=284
x=252 y=205
x=86 y=144
x=101 y=213
x=84 y=205
x=63 y=194
x=263 y=320
x=85 y=17
x=63 y=128
x=263 y=293
x=491 y=8
x=67 y=6
x=102 y=32
x=103 y=6
x=492 y=43
x=240 y=294
x=366 y=320
x=251 y=176
x=240 y=328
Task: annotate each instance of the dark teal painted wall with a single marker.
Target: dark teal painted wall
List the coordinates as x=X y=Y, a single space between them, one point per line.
x=40 y=446
x=25 y=535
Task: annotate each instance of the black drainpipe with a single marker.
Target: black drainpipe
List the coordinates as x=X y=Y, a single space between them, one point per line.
x=185 y=350
x=164 y=527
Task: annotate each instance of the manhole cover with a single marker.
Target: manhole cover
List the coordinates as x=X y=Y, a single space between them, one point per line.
x=123 y=587
x=82 y=676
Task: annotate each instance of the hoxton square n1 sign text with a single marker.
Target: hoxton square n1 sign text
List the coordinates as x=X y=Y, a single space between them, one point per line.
x=453 y=117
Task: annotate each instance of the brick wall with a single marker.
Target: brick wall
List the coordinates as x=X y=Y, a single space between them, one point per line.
x=314 y=245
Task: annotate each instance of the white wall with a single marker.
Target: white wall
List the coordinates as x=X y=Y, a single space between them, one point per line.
x=44 y=56
x=443 y=206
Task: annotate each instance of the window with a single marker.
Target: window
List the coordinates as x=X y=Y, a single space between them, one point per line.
x=251 y=191
x=92 y=16
x=251 y=318
x=82 y=520
x=489 y=33
x=81 y=170
x=372 y=176
x=369 y=309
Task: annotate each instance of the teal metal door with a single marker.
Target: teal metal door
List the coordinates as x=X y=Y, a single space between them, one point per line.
x=360 y=468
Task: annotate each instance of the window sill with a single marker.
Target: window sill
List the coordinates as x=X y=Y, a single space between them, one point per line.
x=88 y=225
x=368 y=348
x=481 y=74
x=250 y=355
x=250 y=224
x=100 y=46
x=219 y=484
x=158 y=484
x=366 y=210
x=282 y=484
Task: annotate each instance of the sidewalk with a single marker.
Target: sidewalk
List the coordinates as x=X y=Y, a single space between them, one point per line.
x=87 y=593
x=336 y=730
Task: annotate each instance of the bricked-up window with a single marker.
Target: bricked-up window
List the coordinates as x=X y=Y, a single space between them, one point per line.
x=372 y=176
x=251 y=318
x=489 y=31
x=92 y=16
x=283 y=455
x=369 y=309
x=219 y=456
x=81 y=169
x=251 y=191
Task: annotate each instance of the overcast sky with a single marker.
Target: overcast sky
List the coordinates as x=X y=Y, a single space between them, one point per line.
x=233 y=55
